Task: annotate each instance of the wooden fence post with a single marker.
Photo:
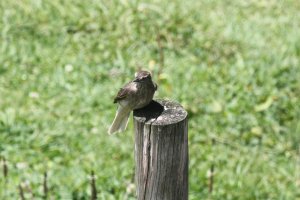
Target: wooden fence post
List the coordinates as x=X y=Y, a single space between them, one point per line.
x=161 y=151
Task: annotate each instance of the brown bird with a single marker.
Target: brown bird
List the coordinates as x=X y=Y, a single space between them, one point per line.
x=134 y=95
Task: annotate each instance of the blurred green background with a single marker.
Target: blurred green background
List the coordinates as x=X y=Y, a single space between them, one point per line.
x=234 y=66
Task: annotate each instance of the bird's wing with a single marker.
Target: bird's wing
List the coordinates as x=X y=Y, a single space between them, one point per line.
x=123 y=92
x=155 y=86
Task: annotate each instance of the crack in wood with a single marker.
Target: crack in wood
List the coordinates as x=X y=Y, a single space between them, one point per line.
x=148 y=161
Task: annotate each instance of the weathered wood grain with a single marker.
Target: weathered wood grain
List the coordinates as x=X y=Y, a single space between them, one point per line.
x=161 y=151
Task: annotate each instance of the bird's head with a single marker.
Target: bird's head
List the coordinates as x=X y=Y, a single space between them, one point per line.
x=142 y=76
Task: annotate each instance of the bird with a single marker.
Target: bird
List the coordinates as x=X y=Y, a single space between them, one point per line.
x=136 y=94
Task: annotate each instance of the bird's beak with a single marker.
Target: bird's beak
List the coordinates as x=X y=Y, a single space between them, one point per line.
x=136 y=80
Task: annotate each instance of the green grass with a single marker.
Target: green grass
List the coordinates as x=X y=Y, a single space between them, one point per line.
x=234 y=65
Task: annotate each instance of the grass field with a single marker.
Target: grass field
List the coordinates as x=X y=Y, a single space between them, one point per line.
x=234 y=65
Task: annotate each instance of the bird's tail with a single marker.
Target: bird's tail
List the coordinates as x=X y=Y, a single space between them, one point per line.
x=121 y=120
